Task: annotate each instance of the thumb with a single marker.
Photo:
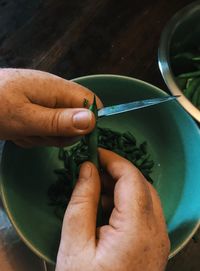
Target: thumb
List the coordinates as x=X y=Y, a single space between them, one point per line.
x=79 y=224
x=42 y=121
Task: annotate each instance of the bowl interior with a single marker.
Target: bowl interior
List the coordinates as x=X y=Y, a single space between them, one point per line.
x=173 y=143
x=185 y=35
x=187 y=23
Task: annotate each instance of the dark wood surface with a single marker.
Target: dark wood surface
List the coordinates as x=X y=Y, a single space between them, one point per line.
x=80 y=37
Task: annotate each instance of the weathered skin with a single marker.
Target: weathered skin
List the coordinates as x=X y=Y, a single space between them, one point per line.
x=38 y=108
x=135 y=238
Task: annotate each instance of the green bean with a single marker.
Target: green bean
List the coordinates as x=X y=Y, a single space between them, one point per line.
x=61 y=154
x=120 y=152
x=129 y=148
x=189 y=74
x=101 y=145
x=147 y=165
x=186 y=66
x=120 y=142
x=189 y=81
x=194 y=98
x=192 y=87
x=81 y=158
x=143 y=147
x=130 y=137
x=92 y=140
x=123 y=144
x=185 y=55
x=181 y=82
x=198 y=102
x=196 y=58
x=73 y=170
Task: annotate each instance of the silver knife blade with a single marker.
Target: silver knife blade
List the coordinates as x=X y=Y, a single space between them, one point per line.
x=121 y=108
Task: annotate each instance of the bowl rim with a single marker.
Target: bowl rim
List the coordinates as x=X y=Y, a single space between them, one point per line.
x=164 y=60
x=2 y=194
x=26 y=241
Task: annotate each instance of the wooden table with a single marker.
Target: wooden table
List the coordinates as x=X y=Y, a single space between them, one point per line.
x=79 y=37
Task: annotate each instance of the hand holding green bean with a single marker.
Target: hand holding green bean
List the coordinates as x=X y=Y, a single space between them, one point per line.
x=135 y=237
x=41 y=109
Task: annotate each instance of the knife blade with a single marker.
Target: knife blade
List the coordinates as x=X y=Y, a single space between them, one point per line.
x=121 y=108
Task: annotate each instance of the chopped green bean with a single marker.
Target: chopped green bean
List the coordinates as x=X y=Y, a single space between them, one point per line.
x=130 y=137
x=143 y=147
x=123 y=144
x=61 y=154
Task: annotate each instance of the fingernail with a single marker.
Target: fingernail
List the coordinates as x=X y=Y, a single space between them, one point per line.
x=86 y=171
x=81 y=120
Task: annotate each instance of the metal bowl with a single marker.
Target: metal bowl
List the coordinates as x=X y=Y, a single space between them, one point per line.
x=182 y=29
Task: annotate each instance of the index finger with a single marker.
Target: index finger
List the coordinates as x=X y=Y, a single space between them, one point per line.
x=132 y=196
x=49 y=90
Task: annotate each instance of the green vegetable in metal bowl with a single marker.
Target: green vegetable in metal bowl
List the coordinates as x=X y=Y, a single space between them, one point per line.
x=186 y=67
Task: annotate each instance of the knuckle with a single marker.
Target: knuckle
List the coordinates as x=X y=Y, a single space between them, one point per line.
x=79 y=200
x=54 y=124
x=120 y=166
x=64 y=260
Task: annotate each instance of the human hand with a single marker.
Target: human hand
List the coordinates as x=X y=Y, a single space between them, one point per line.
x=135 y=238
x=39 y=108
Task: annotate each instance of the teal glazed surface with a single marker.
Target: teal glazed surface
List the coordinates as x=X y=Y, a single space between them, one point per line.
x=173 y=142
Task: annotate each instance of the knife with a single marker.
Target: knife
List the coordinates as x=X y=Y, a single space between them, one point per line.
x=121 y=108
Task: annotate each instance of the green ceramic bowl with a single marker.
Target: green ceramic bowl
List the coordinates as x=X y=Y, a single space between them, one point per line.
x=174 y=144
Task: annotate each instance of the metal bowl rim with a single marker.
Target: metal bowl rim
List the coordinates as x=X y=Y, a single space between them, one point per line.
x=164 y=61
